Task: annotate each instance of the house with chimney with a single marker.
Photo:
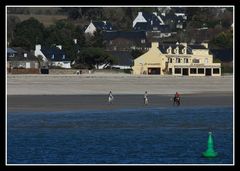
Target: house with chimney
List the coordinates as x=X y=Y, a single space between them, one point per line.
x=54 y=56
x=151 y=23
x=21 y=61
x=178 y=59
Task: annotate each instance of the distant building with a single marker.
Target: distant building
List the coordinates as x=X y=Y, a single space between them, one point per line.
x=177 y=59
x=98 y=25
x=20 y=61
x=151 y=23
x=53 y=56
x=122 y=40
x=162 y=25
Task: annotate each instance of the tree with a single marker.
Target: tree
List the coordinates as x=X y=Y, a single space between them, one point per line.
x=28 y=33
x=12 y=21
x=63 y=33
x=94 y=57
x=223 y=40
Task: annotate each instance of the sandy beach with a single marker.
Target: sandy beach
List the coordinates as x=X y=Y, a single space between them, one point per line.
x=90 y=92
x=118 y=83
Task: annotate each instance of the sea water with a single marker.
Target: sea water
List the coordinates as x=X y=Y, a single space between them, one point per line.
x=142 y=136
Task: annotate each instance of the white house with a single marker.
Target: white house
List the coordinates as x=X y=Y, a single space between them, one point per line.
x=55 y=56
x=152 y=19
x=98 y=25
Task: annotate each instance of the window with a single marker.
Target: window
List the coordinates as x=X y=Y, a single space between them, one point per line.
x=170 y=70
x=178 y=60
x=206 y=60
x=12 y=55
x=200 y=70
x=155 y=28
x=183 y=50
x=195 y=60
x=215 y=70
x=170 y=60
x=193 y=70
x=177 y=70
x=169 y=50
x=52 y=56
x=185 y=60
x=143 y=41
x=63 y=57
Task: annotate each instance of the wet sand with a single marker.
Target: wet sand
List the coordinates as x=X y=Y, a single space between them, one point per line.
x=55 y=103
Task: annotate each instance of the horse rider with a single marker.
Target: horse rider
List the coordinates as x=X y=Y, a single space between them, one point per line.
x=177 y=98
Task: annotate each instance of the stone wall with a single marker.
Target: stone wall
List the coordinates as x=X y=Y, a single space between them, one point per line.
x=23 y=71
x=68 y=71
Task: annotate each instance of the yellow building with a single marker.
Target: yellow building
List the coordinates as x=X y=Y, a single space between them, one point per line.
x=177 y=59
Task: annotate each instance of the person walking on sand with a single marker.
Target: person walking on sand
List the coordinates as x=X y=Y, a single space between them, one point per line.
x=145 y=98
x=110 y=97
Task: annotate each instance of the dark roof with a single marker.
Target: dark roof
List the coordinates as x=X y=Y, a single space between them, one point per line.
x=135 y=35
x=152 y=23
x=164 y=46
x=225 y=55
x=151 y=18
x=11 y=51
x=197 y=46
x=101 y=25
x=55 y=54
x=123 y=58
x=170 y=16
x=153 y=27
x=19 y=54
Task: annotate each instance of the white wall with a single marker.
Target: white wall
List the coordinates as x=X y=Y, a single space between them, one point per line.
x=39 y=52
x=90 y=29
x=62 y=64
x=139 y=19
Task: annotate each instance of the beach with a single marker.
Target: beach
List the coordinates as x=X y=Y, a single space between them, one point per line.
x=90 y=92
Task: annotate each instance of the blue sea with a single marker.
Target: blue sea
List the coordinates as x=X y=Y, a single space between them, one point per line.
x=175 y=135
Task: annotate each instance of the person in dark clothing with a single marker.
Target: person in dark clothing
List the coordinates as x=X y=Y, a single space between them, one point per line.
x=176 y=99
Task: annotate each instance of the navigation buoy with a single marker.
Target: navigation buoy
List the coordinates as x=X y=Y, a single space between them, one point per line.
x=209 y=153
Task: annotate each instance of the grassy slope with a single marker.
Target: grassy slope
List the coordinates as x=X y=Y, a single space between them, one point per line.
x=45 y=19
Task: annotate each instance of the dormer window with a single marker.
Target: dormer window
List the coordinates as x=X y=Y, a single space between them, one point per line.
x=170 y=60
x=63 y=57
x=12 y=55
x=169 y=50
x=176 y=51
x=184 y=50
x=142 y=40
x=196 y=60
x=178 y=60
x=52 y=56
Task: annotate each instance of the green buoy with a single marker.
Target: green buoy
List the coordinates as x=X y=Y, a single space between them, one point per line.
x=209 y=153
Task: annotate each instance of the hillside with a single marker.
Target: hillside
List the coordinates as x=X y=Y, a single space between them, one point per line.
x=43 y=18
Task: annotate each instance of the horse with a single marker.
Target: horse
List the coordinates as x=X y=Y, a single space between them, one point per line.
x=176 y=100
